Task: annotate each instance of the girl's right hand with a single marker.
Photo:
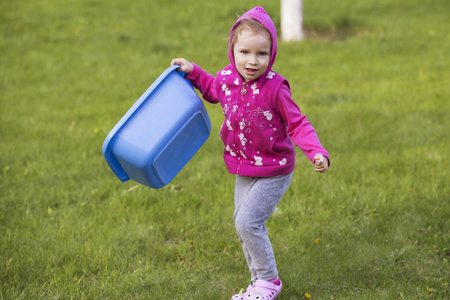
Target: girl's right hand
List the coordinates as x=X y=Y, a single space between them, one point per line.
x=185 y=66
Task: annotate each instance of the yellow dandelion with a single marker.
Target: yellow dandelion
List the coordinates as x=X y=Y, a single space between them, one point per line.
x=307 y=295
x=96 y=130
x=317 y=241
x=435 y=246
x=75 y=279
x=445 y=284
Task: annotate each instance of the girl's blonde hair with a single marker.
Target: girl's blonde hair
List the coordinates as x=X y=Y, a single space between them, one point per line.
x=254 y=25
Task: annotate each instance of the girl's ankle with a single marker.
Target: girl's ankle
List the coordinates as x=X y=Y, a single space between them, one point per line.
x=275 y=281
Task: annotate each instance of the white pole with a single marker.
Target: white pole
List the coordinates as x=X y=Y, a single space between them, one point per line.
x=292 y=20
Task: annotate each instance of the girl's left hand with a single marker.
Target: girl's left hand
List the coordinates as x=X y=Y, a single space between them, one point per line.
x=321 y=166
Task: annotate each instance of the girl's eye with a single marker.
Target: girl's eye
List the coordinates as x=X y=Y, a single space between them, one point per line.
x=263 y=53
x=244 y=52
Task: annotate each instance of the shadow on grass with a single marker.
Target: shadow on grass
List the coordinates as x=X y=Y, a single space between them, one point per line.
x=341 y=28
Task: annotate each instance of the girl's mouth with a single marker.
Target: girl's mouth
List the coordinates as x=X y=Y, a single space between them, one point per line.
x=251 y=71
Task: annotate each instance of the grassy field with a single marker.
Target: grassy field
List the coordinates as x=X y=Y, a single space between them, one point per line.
x=373 y=77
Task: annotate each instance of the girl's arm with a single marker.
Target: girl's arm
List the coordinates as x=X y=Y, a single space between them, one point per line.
x=201 y=80
x=301 y=131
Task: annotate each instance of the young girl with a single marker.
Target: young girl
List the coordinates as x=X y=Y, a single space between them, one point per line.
x=261 y=123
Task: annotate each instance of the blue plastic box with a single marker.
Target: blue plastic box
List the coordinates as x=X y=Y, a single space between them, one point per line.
x=160 y=133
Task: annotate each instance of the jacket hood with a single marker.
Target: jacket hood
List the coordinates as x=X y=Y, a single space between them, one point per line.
x=258 y=13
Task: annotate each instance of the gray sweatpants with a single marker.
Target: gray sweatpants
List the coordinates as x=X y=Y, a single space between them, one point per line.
x=255 y=199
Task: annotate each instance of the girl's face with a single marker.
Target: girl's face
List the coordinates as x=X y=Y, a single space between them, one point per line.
x=252 y=53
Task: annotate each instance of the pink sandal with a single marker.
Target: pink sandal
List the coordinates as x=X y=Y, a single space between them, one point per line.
x=263 y=290
x=241 y=294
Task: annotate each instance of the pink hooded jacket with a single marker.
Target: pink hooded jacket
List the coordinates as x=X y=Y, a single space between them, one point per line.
x=261 y=118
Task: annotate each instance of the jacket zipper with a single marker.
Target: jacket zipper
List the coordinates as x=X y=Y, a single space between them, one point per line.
x=243 y=91
x=238 y=140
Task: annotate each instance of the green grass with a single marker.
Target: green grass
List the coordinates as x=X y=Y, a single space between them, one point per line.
x=373 y=79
